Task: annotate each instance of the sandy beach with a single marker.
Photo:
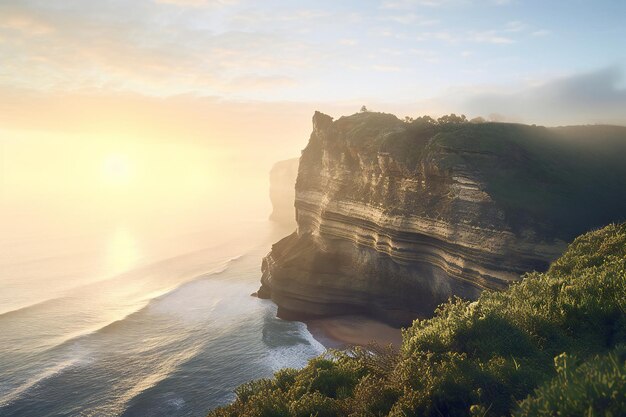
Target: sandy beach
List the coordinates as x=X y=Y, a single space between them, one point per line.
x=344 y=331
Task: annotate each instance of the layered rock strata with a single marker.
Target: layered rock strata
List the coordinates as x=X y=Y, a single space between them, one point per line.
x=393 y=218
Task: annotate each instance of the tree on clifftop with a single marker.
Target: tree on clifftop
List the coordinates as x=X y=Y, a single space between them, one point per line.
x=452 y=119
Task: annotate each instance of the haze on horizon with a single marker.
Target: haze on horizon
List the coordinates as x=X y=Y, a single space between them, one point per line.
x=126 y=106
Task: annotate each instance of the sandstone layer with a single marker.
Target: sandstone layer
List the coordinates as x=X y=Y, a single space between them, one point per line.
x=393 y=218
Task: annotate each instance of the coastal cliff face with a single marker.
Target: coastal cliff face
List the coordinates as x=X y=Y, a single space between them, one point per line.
x=282 y=191
x=393 y=218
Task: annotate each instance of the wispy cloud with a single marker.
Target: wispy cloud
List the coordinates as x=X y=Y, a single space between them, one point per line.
x=410 y=18
x=348 y=42
x=412 y=4
x=386 y=68
x=147 y=51
x=440 y=35
x=197 y=3
x=25 y=24
x=258 y=17
x=489 y=36
x=514 y=26
x=286 y=50
x=256 y=82
x=541 y=32
x=408 y=4
x=486 y=36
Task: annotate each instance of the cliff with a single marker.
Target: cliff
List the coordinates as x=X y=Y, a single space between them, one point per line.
x=551 y=345
x=393 y=218
x=282 y=191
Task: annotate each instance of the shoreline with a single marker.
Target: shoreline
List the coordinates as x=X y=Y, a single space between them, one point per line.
x=340 y=332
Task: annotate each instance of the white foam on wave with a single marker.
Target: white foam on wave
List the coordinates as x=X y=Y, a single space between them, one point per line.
x=126 y=390
x=33 y=382
x=142 y=301
x=219 y=301
x=177 y=402
x=73 y=339
x=77 y=355
x=296 y=356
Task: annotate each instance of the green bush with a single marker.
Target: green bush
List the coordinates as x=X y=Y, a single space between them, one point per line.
x=314 y=404
x=491 y=357
x=332 y=378
x=595 y=388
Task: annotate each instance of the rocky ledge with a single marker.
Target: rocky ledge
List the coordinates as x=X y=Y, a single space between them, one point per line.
x=394 y=217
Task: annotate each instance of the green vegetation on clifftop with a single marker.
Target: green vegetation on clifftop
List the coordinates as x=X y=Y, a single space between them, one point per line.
x=553 y=344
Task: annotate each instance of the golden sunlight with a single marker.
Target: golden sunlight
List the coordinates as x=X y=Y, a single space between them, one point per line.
x=117 y=170
x=122 y=252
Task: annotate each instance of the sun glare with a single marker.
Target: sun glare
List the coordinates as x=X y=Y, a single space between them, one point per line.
x=116 y=170
x=122 y=252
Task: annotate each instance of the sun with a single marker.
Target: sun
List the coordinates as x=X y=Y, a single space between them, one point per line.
x=116 y=170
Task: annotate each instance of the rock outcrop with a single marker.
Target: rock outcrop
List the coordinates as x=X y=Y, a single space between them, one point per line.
x=283 y=190
x=393 y=217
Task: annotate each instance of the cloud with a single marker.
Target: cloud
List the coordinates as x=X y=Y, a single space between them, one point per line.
x=514 y=26
x=440 y=35
x=412 y=4
x=489 y=36
x=197 y=3
x=278 y=50
x=386 y=68
x=348 y=42
x=486 y=36
x=256 y=82
x=410 y=18
x=257 y=17
x=147 y=50
x=24 y=24
x=541 y=32
x=593 y=97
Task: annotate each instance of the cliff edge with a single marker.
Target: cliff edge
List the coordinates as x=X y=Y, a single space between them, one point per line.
x=395 y=217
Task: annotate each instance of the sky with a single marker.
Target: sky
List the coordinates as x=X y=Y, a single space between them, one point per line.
x=189 y=92
x=308 y=51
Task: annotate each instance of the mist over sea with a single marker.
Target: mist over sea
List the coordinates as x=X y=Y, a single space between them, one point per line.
x=133 y=321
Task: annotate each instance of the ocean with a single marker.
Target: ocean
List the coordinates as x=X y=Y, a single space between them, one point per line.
x=122 y=321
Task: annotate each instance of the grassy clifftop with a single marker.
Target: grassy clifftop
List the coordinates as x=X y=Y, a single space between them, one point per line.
x=553 y=344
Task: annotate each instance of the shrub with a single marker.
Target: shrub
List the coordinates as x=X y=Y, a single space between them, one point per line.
x=314 y=404
x=595 y=388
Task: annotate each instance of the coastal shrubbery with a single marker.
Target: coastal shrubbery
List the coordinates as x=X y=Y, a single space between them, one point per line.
x=595 y=388
x=553 y=344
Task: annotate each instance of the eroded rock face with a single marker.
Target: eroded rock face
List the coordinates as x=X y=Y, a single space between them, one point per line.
x=282 y=191
x=394 y=218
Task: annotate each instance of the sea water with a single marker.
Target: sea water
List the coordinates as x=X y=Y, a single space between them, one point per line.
x=123 y=322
